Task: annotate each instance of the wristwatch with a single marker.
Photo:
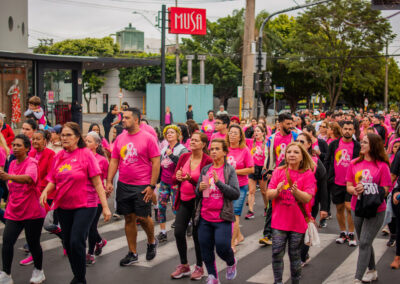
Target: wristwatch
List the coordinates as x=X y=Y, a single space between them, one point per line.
x=152 y=187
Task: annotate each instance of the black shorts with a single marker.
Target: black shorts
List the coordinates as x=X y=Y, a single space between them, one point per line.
x=130 y=200
x=339 y=194
x=257 y=173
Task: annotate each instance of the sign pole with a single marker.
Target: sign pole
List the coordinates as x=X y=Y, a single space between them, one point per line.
x=162 y=88
x=274 y=101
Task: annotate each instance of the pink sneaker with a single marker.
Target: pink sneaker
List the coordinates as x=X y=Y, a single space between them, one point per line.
x=99 y=247
x=27 y=261
x=181 y=271
x=197 y=274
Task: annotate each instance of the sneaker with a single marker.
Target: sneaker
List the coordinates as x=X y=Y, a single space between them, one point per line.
x=116 y=216
x=356 y=281
x=189 y=231
x=323 y=223
x=5 y=278
x=151 y=250
x=99 y=247
x=198 y=273
x=90 y=259
x=265 y=241
x=129 y=259
x=173 y=225
x=342 y=238
x=53 y=229
x=391 y=242
x=351 y=240
x=329 y=216
x=250 y=215
x=370 y=275
x=307 y=261
x=212 y=280
x=231 y=272
x=162 y=237
x=25 y=248
x=181 y=270
x=27 y=261
x=385 y=231
x=37 y=276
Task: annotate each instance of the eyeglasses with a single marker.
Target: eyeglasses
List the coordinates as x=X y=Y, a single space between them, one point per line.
x=323 y=126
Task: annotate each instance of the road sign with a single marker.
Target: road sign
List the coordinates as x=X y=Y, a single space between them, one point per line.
x=240 y=91
x=189 y=57
x=120 y=94
x=366 y=102
x=279 y=89
x=187 y=21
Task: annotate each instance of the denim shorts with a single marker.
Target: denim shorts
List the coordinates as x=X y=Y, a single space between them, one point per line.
x=238 y=203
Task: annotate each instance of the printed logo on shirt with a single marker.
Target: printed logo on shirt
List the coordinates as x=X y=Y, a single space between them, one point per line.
x=208 y=128
x=363 y=176
x=286 y=195
x=166 y=161
x=342 y=158
x=64 y=168
x=280 y=151
x=232 y=162
x=129 y=153
x=215 y=193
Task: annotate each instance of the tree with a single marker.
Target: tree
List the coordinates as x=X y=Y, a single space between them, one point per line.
x=93 y=80
x=333 y=37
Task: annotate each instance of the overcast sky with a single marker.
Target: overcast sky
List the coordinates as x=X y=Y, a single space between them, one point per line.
x=62 y=19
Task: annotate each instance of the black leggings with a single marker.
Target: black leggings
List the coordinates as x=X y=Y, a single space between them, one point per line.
x=75 y=225
x=33 y=230
x=184 y=214
x=94 y=236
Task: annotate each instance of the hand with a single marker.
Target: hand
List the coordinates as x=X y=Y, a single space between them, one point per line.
x=109 y=187
x=202 y=186
x=106 y=214
x=168 y=152
x=359 y=188
x=294 y=188
x=4 y=175
x=323 y=215
x=317 y=151
x=179 y=175
x=395 y=201
x=186 y=177
x=43 y=198
x=280 y=187
x=268 y=177
x=148 y=193
x=215 y=176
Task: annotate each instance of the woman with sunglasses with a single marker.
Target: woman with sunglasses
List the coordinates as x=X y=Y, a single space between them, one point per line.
x=240 y=159
x=323 y=130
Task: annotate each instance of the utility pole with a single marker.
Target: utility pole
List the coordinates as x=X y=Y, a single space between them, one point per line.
x=178 y=73
x=248 y=60
x=387 y=77
x=162 y=88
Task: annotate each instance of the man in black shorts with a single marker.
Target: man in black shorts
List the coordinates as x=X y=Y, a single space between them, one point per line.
x=340 y=154
x=137 y=157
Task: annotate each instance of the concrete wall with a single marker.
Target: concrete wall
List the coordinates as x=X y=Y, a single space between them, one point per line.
x=16 y=38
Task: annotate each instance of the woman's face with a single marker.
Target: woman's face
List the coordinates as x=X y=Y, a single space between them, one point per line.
x=90 y=143
x=216 y=151
x=396 y=147
x=323 y=128
x=114 y=133
x=68 y=138
x=196 y=143
x=18 y=147
x=115 y=108
x=302 y=140
x=38 y=141
x=366 y=122
x=27 y=130
x=365 y=145
x=294 y=155
x=258 y=134
x=234 y=135
x=96 y=129
x=171 y=135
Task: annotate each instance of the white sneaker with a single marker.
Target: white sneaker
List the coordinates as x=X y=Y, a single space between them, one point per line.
x=370 y=275
x=356 y=281
x=212 y=280
x=352 y=240
x=5 y=278
x=37 y=276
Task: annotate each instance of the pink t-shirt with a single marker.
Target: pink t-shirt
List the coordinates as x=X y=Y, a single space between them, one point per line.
x=134 y=152
x=211 y=206
x=187 y=144
x=103 y=164
x=216 y=135
x=23 y=202
x=286 y=213
x=240 y=159
x=280 y=144
x=369 y=172
x=342 y=159
x=168 y=118
x=208 y=127
x=330 y=140
x=144 y=126
x=187 y=189
x=257 y=150
x=167 y=166
x=3 y=157
x=105 y=144
x=72 y=173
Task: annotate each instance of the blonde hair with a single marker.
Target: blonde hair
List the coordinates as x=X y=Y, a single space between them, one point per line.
x=242 y=141
x=306 y=163
x=3 y=144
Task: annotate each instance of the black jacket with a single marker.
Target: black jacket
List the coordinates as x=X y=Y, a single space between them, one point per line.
x=323 y=147
x=330 y=158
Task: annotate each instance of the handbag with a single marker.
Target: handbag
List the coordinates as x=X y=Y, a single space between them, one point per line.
x=311 y=236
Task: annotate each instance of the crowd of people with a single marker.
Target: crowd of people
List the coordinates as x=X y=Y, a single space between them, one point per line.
x=59 y=179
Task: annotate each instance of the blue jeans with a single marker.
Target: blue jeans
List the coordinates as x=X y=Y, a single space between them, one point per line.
x=238 y=203
x=218 y=235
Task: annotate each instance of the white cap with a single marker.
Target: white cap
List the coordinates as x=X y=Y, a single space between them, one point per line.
x=316 y=112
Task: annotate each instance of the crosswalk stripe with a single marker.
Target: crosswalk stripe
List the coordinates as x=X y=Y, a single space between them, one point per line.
x=267 y=273
x=346 y=271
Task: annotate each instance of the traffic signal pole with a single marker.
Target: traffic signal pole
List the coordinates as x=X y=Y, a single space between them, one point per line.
x=162 y=88
x=260 y=35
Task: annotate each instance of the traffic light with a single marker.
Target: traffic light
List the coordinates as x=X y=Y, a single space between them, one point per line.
x=267 y=82
x=256 y=82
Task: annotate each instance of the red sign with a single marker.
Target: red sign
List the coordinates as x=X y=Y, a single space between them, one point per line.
x=187 y=21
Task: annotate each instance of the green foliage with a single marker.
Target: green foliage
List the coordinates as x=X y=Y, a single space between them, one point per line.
x=93 y=82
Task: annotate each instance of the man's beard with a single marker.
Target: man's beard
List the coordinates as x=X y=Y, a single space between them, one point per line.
x=286 y=130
